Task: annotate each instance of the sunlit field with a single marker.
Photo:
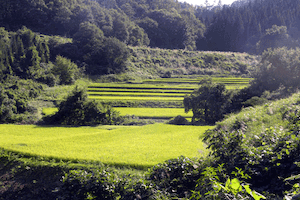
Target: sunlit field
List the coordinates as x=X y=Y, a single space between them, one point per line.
x=162 y=89
x=154 y=112
x=141 y=146
x=141 y=112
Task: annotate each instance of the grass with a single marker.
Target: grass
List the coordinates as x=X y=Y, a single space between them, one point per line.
x=162 y=89
x=154 y=112
x=114 y=145
x=140 y=112
x=257 y=119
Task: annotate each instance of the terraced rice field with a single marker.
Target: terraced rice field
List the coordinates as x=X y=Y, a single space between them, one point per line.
x=145 y=113
x=163 y=89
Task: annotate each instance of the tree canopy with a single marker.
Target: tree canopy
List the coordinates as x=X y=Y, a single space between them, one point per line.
x=207 y=103
x=78 y=110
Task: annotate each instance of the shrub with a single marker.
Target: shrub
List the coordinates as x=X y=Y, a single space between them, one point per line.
x=176 y=175
x=78 y=110
x=179 y=120
x=80 y=184
x=66 y=70
x=268 y=155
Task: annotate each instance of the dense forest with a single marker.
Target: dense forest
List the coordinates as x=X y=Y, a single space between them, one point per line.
x=163 y=23
x=97 y=32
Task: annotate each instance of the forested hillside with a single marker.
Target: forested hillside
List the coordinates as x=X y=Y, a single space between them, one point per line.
x=163 y=23
x=246 y=26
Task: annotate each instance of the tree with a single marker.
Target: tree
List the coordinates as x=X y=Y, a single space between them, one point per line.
x=7 y=107
x=115 y=54
x=208 y=103
x=78 y=110
x=66 y=70
x=278 y=67
x=274 y=37
x=32 y=63
x=88 y=38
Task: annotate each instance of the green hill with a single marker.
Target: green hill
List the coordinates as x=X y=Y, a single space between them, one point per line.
x=145 y=62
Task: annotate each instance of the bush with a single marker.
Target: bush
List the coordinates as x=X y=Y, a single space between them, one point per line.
x=179 y=120
x=66 y=70
x=79 y=184
x=269 y=155
x=14 y=96
x=78 y=110
x=176 y=176
x=96 y=184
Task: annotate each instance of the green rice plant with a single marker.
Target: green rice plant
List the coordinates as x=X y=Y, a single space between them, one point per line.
x=135 y=94
x=139 y=90
x=136 y=98
x=141 y=146
x=140 y=86
x=154 y=112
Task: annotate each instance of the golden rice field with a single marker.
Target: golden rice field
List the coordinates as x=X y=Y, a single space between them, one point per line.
x=141 y=146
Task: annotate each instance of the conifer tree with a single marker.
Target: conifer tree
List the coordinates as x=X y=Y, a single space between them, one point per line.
x=21 y=50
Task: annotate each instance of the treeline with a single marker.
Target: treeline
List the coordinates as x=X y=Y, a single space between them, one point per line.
x=164 y=23
x=27 y=55
x=160 y=23
x=244 y=26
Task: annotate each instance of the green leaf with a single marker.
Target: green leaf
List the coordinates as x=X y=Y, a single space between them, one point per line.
x=236 y=186
x=227 y=184
x=254 y=194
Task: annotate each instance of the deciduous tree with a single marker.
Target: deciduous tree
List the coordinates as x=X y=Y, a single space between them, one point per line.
x=207 y=103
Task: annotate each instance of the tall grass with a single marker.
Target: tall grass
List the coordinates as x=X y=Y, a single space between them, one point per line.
x=257 y=119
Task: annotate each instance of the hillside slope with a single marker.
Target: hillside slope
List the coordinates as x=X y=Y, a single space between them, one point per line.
x=263 y=141
x=146 y=62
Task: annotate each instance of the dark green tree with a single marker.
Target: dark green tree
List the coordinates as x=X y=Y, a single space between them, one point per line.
x=78 y=110
x=278 y=67
x=32 y=63
x=88 y=38
x=115 y=55
x=7 y=107
x=274 y=37
x=208 y=103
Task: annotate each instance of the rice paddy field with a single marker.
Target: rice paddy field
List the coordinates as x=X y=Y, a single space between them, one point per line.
x=154 y=112
x=137 y=146
x=162 y=89
x=153 y=92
